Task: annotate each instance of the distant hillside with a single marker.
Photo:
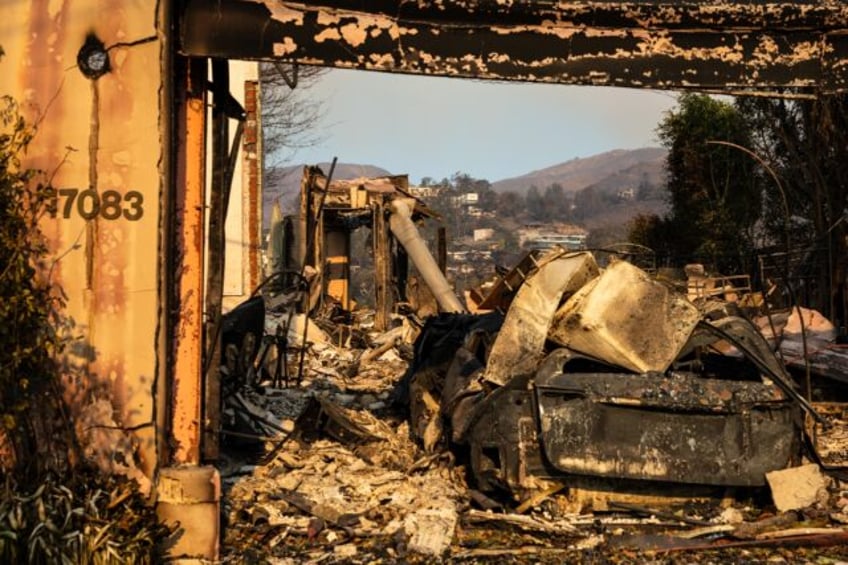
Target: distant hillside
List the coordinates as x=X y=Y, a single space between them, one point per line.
x=650 y=172
x=283 y=183
x=609 y=171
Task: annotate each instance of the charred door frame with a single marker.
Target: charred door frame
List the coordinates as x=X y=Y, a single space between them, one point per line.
x=782 y=48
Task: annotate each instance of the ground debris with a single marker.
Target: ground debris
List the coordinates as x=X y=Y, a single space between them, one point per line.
x=340 y=477
x=527 y=523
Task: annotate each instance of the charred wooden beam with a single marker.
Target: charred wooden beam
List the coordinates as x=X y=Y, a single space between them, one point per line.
x=382 y=265
x=442 y=242
x=707 y=45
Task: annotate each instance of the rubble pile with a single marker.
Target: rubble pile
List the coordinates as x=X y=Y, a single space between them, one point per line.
x=582 y=413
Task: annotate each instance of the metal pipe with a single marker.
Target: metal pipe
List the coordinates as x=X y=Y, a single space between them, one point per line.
x=407 y=234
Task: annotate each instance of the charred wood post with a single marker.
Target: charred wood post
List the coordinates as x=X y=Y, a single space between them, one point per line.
x=306 y=227
x=224 y=156
x=442 y=235
x=400 y=258
x=382 y=264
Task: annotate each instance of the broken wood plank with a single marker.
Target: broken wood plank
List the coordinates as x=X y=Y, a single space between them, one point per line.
x=839 y=537
x=657 y=513
x=793 y=532
x=484 y=501
x=523 y=550
x=538 y=498
x=375 y=353
x=317 y=510
x=707 y=531
x=750 y=530
x=382 y=264
x=526 y=523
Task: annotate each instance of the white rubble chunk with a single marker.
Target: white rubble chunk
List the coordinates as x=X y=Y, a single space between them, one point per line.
x=796 y=487
x=345 y=551
x=431 y=530
x=314 y=334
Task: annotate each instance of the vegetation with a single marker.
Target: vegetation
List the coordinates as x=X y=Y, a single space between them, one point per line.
x=30 y=399
x=87 y=518
x=755 y=177
x=805 y=144
x=714 y=190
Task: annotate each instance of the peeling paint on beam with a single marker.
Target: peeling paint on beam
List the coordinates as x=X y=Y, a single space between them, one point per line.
x=717 y=46
x=726 y=14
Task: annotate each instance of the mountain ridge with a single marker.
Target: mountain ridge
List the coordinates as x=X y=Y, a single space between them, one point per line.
x=578 y=173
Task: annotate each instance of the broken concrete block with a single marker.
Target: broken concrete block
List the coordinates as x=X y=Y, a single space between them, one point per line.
x=731 y=516
x=189 y=497
x=431 y=530
x=796 y=487
x=345 y=551
x=314 y=334
x=626 y=318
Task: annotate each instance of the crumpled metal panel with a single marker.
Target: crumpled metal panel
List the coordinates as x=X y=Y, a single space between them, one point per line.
x=504 y=441
x=521 y=340
x=677 y=428
x=709 y=45
x=626 y=318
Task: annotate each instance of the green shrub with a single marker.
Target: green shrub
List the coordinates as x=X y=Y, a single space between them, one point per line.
x=31 y=415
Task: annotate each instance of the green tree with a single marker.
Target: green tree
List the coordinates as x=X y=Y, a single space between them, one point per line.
x=589 y=202
x=647 y=190
x=510 y=204
x=651 y=231
x=714 y=189
x=556 y=203
x=534 y=204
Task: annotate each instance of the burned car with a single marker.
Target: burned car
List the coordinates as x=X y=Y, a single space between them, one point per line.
x=607 y=373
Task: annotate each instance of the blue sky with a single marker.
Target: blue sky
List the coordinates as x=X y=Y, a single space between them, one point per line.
x=428 y=126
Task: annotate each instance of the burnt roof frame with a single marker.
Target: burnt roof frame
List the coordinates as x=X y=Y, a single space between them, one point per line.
x=783 y=48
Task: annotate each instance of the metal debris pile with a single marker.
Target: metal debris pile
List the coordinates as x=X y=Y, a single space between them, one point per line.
x=581 y=410
x=607 y=374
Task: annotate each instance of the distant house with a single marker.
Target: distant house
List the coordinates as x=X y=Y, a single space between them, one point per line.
x=467 y=199
x=425 y=191
x=627 y=194
x=546 y=236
